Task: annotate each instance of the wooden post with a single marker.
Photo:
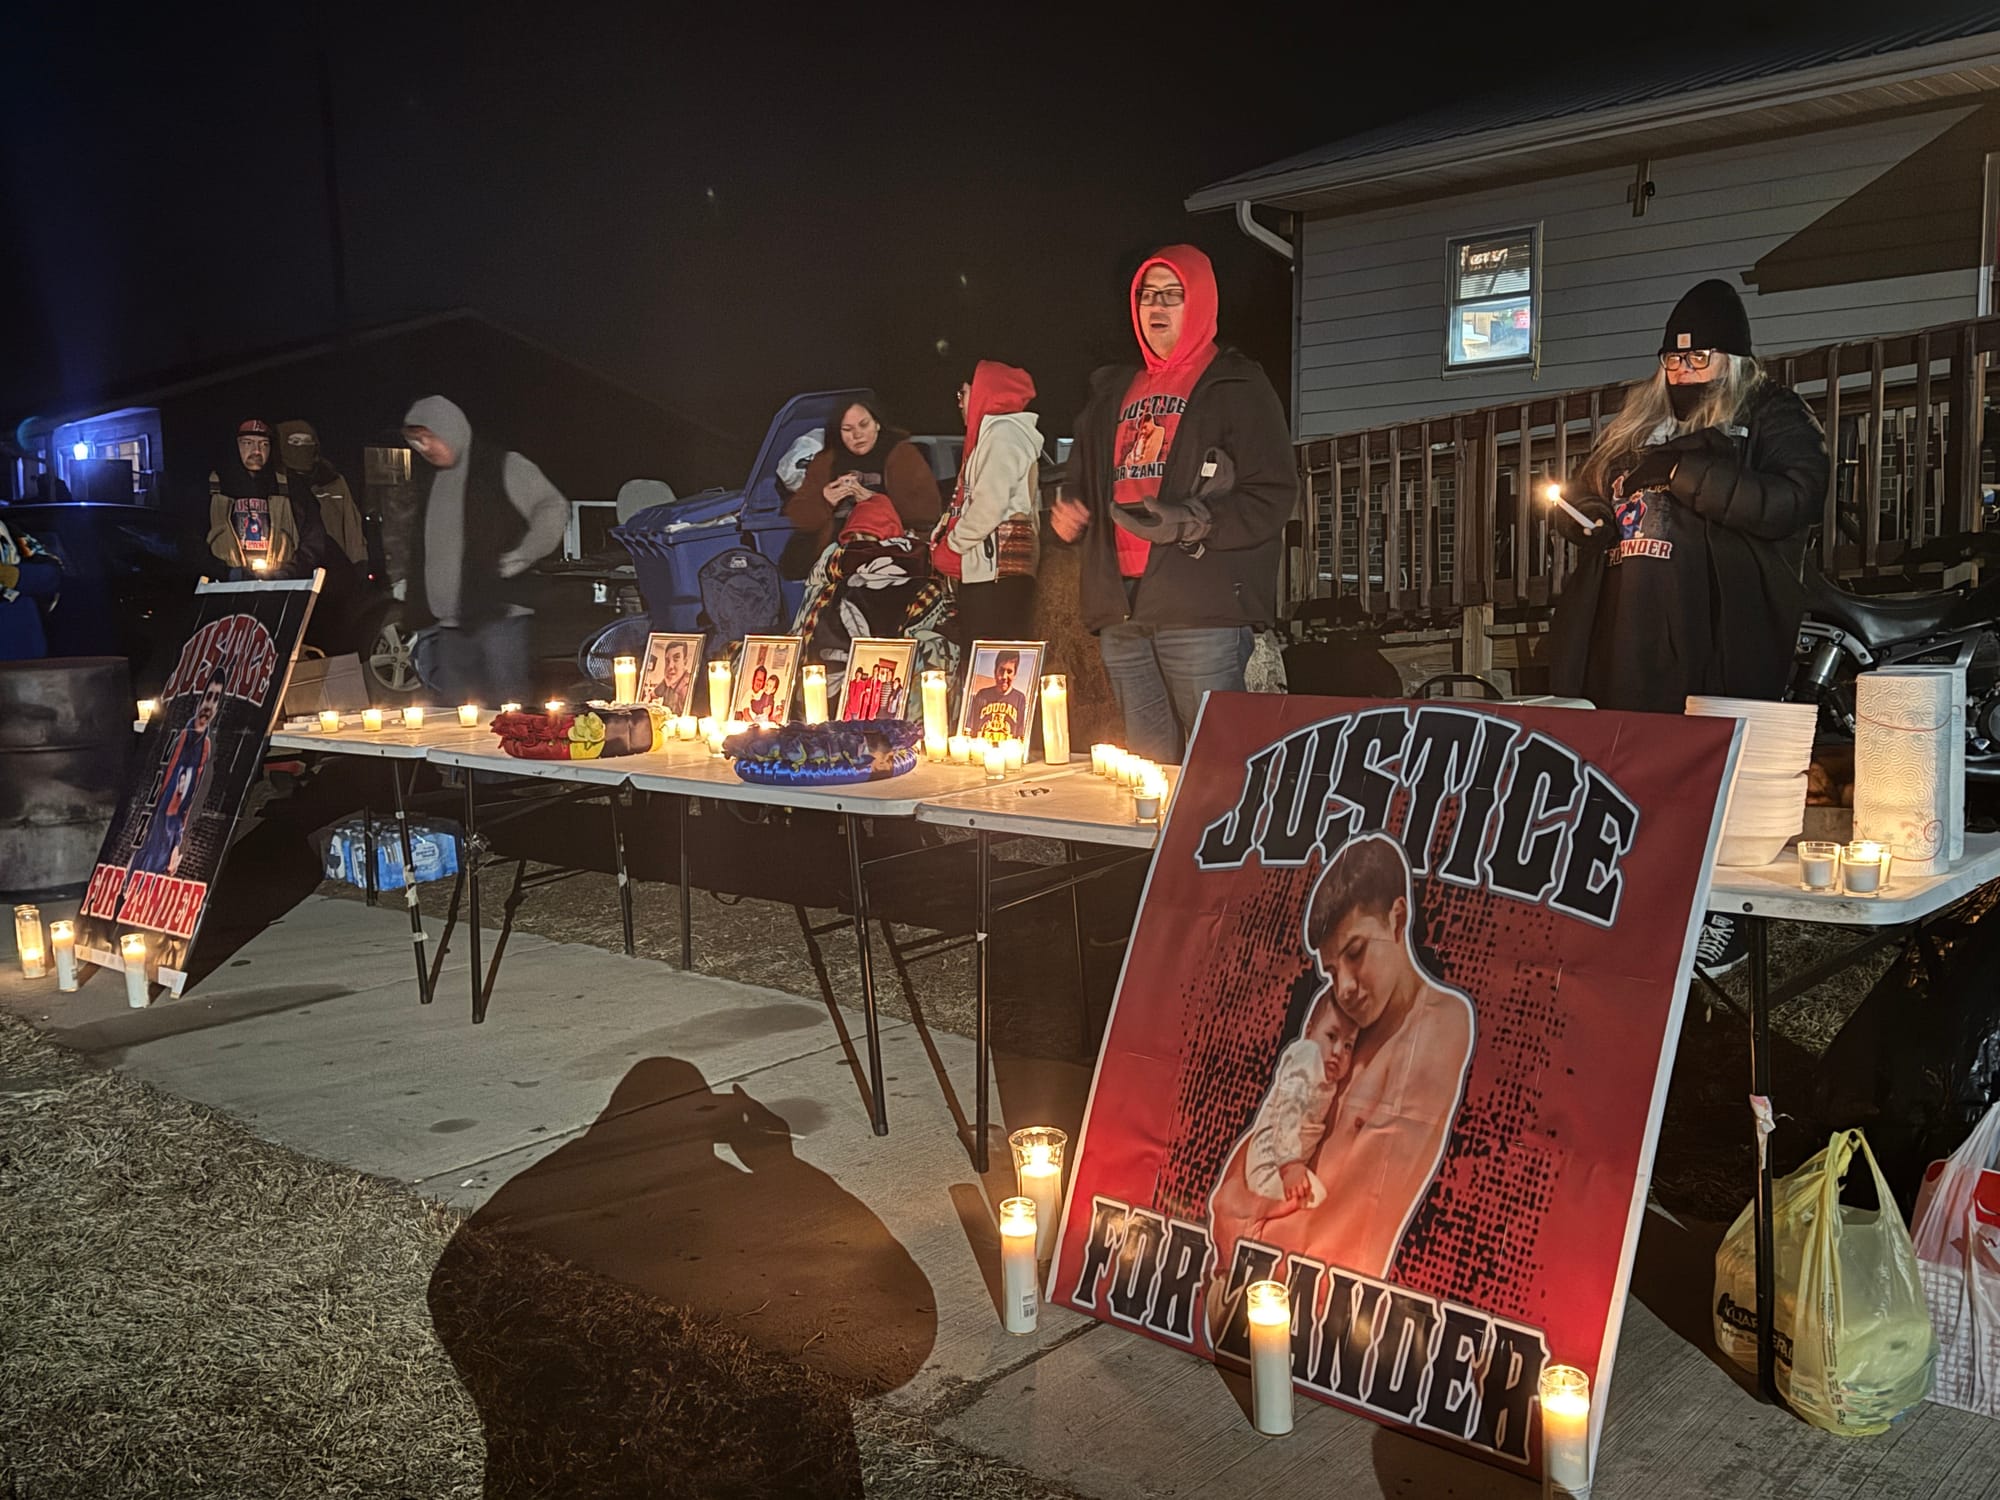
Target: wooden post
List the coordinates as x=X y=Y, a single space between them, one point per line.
x=1920 y=463
x=1871 y=526
x=1392 y=546
x=1475 y=645
x=1424 y=569
x=1829 y=526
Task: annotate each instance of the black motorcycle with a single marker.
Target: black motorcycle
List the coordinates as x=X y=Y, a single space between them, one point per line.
x=1846 y=633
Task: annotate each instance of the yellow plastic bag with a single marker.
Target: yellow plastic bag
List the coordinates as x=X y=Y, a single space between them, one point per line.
x=1854 y=1341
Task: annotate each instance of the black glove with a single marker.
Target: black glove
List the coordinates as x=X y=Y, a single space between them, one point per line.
x=1694 y=454
x=1567 y=527
x=1165 y=523
x=1654 y=468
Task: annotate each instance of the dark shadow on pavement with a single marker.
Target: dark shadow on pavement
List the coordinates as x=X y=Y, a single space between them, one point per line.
x=696 y=1200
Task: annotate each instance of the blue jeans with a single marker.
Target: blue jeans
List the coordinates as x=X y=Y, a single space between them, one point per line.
x=1158 y=675
x=486 y=664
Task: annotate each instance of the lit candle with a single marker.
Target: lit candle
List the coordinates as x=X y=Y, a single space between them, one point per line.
x=1819 y=865
x=995 y=754
x=718 y=688
x=553 y=707
x=625 y=674
x=259 y=564
x=815 y=693
x=28 y=945
x=371 y=718
x=1133 y=769
x=1270 y=1309
x=1566 y=1429
x=1554 y=495
x=468 y=715
x=147 y=708
x=62 y=943
x=1019 y=1296
x=962 y=749
x=413 y=717
x=936 y=747
x=685 y=727
x=1016 y=752
x=1866 y=867
x=1149 y=796
x=1100 y=759
x=1038 y=1173
x=329 y=721
x=1055 y=719
x=937 y=687
x=712 y=732
x=132 y=948
x=510 y=708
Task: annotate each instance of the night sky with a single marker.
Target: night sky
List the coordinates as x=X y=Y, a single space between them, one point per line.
x=717 y=209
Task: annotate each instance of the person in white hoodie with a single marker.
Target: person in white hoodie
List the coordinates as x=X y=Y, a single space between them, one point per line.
x=989 y=539
x=489 y=516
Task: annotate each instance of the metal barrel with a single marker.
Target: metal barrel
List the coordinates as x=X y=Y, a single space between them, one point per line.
x=65 y=742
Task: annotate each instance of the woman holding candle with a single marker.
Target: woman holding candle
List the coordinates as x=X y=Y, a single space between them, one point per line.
x=989 y=539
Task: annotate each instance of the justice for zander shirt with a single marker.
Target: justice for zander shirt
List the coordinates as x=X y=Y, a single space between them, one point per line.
x=1652 y=635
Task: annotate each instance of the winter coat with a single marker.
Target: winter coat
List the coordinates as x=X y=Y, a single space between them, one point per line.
x=906 y=479
x=1229 y=578
x=223 y=540
x=1753 y=488
x=1002 y=483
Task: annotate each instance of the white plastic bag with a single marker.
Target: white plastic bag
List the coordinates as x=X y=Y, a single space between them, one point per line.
x=1854 y=1341
x=792 y=467
x=1956 y=1229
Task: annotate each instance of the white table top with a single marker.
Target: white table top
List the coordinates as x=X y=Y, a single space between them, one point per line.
x=1773 y=890
x=892 y=797
x=1068 y=803
x=391 y=742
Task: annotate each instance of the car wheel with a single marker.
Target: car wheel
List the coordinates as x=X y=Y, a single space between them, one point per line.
x=390 y=659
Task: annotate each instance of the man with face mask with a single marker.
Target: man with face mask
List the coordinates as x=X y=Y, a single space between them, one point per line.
x=486 y=517
x=1186 y=476
x=250 y=523
x=330 y=535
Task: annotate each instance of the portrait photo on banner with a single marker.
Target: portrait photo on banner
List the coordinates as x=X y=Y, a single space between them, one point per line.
x=765 y=672
x=668 y=672
x=1001 y=682
x=877 y=684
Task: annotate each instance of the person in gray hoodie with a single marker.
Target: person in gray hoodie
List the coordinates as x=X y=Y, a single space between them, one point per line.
x=488 y=516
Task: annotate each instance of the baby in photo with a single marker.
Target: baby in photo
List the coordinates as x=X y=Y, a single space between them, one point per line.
x=1294 y=1117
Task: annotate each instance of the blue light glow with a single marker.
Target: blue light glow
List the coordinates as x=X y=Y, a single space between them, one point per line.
x=79 y=450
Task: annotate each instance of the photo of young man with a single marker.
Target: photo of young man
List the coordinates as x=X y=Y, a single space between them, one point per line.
x=666 y=677
x=1000 y=691
x=183 y=783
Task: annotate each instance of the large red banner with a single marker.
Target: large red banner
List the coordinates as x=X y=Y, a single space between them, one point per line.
x=1395 y=1028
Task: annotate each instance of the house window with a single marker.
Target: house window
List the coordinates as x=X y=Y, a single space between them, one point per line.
x=1494 y=280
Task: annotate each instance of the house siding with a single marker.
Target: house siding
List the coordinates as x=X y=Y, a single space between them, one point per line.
x=1371 y=286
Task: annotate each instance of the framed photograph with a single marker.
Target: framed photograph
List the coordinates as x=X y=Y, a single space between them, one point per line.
x=765 y=674
x=1002 y=681
x=668 y=671
x=877 y=684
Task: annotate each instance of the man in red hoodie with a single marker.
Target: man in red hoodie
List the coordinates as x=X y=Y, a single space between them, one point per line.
x=1184 y=470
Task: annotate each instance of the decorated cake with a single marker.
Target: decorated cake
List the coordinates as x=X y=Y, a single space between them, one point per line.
x=835 y=754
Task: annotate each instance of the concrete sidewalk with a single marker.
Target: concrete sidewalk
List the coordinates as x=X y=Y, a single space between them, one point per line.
x=709 y=1142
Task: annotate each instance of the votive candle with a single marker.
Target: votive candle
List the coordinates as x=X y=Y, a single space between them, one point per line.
x=1055 y=719
x=685 y=727
x=413 y=717
x=1865 y=868
x=813 y=685
x=1149 y=796
x=147 y=708
x=468 y=715
x=718 y=688
x=1819 y=865
x=510 y=708
x=1565 y=1392
x=962 y=749
x=995 y=754
x=371 y=718
x=1100 y=759
x=329 y=721
x=132 y=949
x=625 y=678
x=62 y=944
x=1038 y=1176
x=1016 y=752
x=936 y=747
x=29 y=946
x=937 y=688
x=1270 y=1310
x=554 y=706
x=1020 y=1298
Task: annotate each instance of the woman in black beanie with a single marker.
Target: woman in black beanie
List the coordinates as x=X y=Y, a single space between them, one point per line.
x=1704 y=486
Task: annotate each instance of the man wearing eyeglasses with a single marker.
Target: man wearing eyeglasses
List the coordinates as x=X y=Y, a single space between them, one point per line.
x=1699 y=496
x=1184 y=479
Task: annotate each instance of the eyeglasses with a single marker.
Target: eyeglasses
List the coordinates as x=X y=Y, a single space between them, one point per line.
x=1687 y=359
x=1162 y=296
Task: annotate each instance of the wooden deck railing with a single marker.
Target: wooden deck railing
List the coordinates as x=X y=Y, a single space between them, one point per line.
x=1467 y=528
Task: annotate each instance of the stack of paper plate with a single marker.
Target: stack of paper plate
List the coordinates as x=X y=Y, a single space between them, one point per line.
x=1767 y=800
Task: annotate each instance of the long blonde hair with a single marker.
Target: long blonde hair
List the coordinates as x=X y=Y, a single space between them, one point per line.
x=1647 y=406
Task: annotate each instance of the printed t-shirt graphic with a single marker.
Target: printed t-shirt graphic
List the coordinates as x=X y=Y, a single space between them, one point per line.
x=186 y=764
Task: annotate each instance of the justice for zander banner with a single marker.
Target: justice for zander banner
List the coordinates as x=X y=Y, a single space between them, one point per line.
x=1395 y=1029
x=201 y=753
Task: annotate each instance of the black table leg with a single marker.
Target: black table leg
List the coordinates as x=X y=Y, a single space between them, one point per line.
x=1760 y=1089
x=417 y=937
x=878 y=1094
x=624 y=880
x=687 y=894
x=1082 y=962
x=368 y=848
x=982 y=1040
x=469 y=856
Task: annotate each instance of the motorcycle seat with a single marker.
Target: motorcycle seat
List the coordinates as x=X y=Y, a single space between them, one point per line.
x=1877 y=619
